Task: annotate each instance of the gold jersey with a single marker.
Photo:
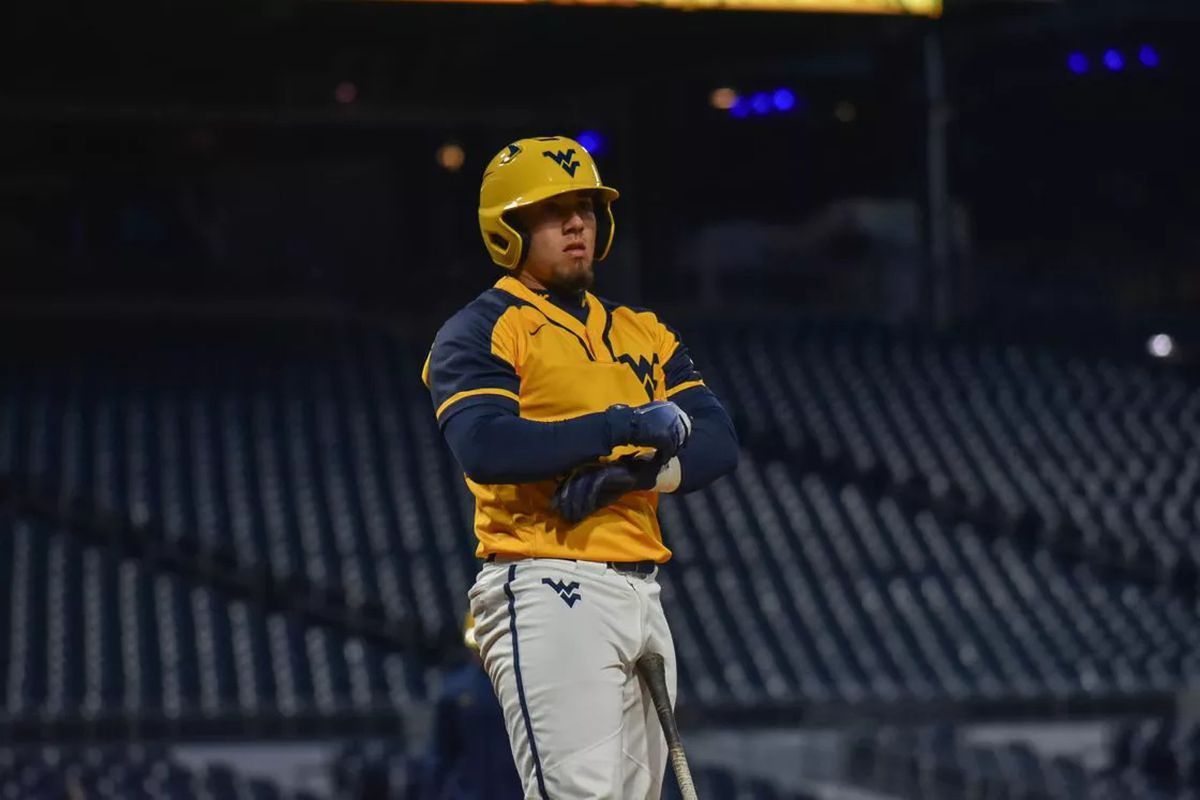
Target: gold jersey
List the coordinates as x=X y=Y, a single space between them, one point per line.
x=512 y=346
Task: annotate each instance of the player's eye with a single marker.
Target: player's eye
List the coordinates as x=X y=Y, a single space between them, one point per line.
x=582 y=206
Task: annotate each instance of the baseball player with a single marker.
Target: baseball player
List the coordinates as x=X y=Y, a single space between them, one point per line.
x=570 y=414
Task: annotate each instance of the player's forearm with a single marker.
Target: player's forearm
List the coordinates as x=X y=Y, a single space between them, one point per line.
x=495 y=446
x=712 y=449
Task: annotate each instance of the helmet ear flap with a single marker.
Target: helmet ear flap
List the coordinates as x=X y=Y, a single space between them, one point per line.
x=605 y=228
x=520 y=238
x=524 y=250
x=509 y=245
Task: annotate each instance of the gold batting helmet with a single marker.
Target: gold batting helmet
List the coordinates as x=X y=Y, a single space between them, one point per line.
x=528 y=171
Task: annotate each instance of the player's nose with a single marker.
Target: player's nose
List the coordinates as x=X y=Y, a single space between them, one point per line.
x=573 y=223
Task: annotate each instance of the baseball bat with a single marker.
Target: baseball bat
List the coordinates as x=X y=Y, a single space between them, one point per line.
x=654 y=675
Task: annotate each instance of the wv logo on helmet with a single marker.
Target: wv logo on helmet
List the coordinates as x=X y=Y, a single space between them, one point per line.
x=513 y=151
x=564 y=160
x=565 y=590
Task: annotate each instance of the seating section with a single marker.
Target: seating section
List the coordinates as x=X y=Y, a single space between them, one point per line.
x=126 y=773
x=933 y=764
x=85 y=634
x=1151 y=759
x=786 y=587
x=1161 y=753
x=1092 y=454
x=719 y=782
x=379 y=768
x=311 y=454
x=859 y=554
x=368 y=769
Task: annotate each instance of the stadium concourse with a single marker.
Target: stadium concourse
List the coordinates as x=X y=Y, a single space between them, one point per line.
x=252 y=532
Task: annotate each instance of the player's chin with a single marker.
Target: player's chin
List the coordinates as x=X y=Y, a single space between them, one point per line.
x=577 y=274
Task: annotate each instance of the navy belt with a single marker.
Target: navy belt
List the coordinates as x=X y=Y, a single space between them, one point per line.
x=637 y=567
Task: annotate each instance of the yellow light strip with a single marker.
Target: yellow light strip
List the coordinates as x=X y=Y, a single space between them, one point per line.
x=921 y=8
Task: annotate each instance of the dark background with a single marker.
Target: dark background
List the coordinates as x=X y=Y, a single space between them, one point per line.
x=198 y=152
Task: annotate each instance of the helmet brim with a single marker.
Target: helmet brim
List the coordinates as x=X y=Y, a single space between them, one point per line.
x=607 y=195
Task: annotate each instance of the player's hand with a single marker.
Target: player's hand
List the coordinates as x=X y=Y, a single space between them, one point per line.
x=661 y=425
x=595 y=486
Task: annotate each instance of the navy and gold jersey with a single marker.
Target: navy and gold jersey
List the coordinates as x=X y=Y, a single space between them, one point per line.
x=515 y=347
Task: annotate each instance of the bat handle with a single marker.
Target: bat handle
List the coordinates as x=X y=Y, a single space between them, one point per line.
x=652 y=669
x=683 y=775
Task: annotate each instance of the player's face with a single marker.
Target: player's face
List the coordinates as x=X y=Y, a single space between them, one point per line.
x=562 y=241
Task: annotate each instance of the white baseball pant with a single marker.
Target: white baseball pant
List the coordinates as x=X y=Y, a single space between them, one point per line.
x=560 y=640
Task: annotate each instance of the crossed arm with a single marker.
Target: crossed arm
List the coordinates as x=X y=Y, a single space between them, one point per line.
x=495 y=445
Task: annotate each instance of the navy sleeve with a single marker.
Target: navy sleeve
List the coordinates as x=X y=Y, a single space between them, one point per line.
x=712 y=450
x=679 y=373
x=466 y=365
x=494 y=445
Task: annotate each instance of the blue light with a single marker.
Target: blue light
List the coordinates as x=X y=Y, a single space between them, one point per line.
x=761 y=103
x=1114 y=60
x=592 y=141
x=1148 y=56
x=784 y=99
x=1077 y=63
x=740 y=108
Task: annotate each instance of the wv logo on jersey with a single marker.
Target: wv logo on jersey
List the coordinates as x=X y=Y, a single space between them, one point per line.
x=564 y=160
x=643 y=369
x=565 y=590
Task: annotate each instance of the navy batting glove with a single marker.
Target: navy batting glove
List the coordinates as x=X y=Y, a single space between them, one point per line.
x=661 y=425
x=595 y=486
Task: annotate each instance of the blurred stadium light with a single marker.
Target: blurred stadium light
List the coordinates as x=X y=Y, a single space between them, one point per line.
x=758 y=103
x=1161 y=345
x=450 y=157
x=723 y=98
x=592 y=141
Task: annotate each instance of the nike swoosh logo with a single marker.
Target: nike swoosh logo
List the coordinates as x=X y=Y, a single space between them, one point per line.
x=538 y=328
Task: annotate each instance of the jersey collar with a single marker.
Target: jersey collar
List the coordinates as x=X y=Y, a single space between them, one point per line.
x=592 y=334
